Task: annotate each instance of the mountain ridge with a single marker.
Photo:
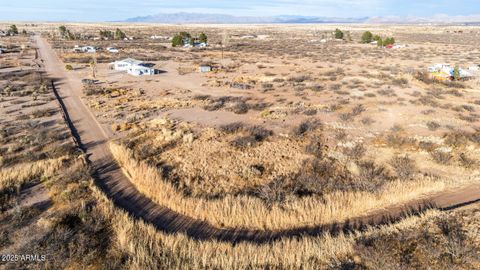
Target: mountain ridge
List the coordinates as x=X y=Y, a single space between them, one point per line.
x=214 y=18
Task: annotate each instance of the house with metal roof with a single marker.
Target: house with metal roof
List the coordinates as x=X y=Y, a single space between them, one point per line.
x=133 y=67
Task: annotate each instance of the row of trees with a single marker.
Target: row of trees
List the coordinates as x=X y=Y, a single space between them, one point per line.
x=368 y=37
x=183 y=38
x=119 y=34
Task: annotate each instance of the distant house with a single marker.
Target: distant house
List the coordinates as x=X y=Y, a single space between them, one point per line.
x=3 y=33
x=2 y=50
x=447 y=72
x=204 y=68
x=77 y=49
x=112 y=50
x=248 y=37
x=399 y=46
x=133 y=67
x=200 y=44
x=474 y=68
x=85 y=49
x=89 y=49
x=161 y=37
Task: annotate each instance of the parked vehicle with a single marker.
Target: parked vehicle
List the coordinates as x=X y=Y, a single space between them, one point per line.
x=112 y=50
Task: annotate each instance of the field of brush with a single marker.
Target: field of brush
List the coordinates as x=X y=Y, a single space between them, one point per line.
x=321 y=133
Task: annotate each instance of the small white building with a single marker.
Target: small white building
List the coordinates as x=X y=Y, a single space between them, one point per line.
x=205 y=68
x=474 y=68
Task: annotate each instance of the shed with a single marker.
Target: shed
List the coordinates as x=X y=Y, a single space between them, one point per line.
x=205 y=68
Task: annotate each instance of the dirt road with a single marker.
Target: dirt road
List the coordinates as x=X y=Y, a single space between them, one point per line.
x=110 y=179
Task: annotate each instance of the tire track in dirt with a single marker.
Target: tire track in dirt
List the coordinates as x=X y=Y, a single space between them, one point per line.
x=110 y=178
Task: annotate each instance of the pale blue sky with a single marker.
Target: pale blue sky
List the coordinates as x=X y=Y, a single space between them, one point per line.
x=109 y=10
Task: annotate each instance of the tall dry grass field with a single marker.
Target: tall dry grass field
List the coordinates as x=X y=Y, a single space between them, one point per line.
x=15 y=177
x=147 y=248
x=250 y=212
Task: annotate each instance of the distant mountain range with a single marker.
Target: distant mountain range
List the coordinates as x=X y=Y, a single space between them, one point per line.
x=194 y=18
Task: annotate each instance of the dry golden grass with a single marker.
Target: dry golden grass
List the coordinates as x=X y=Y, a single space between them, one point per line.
x=143 y=244
x=20 y=174
x=250 y=212
x=147 y=248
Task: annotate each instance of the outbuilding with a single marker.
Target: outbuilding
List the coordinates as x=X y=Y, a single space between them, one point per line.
x=205 y=68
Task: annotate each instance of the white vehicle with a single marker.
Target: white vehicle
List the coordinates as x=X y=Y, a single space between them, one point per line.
x=89 y=49
x=112 y=50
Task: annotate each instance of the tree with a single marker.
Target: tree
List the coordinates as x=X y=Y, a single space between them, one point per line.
x=106 y=34
x=69 y=35
x=24 y=32
x=13 y=30
x=389 y=41
x=380 y=42
x=456 y=74
x=203 y=38
x=65 y=33
x=367 y=37
x=338 y=34
x=63 y=30
x=177 y=41
x=119 y=34
x=185 y=34
x=181 y=39
x=377 y=38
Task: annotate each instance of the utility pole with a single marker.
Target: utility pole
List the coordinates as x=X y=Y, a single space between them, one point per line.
x=224 y=41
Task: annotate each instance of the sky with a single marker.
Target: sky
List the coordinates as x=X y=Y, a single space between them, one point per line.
x=114 y=10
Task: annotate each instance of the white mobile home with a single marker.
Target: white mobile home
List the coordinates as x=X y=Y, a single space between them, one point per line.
x=133 y=67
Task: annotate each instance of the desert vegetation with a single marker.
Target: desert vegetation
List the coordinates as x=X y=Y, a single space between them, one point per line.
x=323 y=129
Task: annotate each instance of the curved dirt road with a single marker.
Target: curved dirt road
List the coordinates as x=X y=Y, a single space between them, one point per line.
x=110 y=178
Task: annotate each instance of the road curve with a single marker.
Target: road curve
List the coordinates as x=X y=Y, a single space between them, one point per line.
x=110 y=178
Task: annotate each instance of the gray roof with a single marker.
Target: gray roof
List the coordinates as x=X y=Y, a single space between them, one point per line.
x=131 y=61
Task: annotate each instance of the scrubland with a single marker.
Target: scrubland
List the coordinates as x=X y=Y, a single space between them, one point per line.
x=287 y=132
